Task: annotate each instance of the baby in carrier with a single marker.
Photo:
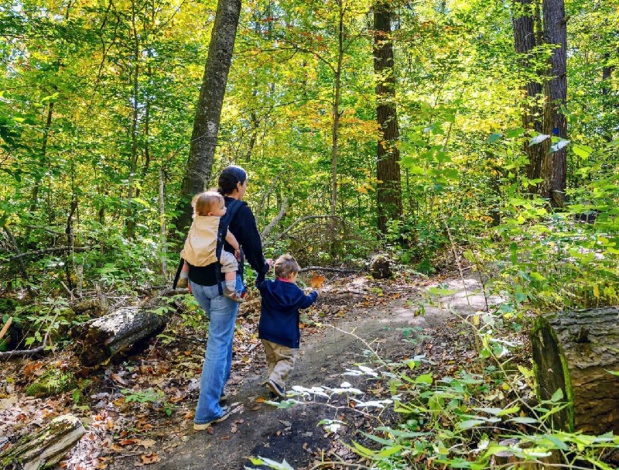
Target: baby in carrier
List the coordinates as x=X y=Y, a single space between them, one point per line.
x=201 y=244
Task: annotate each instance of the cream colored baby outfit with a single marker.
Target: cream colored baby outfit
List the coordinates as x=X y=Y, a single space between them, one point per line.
x=200 y=246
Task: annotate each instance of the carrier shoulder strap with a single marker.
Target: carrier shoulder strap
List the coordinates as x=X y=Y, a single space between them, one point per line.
x=232 y=208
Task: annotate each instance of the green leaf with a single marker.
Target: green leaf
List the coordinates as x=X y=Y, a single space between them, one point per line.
x=557 y=396
x=492 y=411
x=559 y=444
x=583 y=151
x=424 y=379
x=517 y=132
x=470 y=423
x=513 y=252
x=509 y=411
x=494 y=138
x=387 y=451
x=522 y=420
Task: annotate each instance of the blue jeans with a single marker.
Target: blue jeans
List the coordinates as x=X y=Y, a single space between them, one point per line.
x=221 y=312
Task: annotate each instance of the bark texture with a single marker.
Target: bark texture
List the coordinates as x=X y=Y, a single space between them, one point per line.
x=574 y=351
x=101 y=338
x=554 y=169
x=389 y=191
x=46 y=447
x=208 y=111
x=525 y=43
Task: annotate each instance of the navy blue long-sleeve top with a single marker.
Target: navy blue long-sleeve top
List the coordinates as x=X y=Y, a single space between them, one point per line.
x=279 y=317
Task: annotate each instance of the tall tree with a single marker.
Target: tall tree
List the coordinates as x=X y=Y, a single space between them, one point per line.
x=389 y=191
x=555 y=124
x=337 y=87
x=208 y=112
x=525 y=16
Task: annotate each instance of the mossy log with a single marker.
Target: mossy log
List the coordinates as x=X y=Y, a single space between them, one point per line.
x=576 y=352
x=46 y=447
x=101 y=338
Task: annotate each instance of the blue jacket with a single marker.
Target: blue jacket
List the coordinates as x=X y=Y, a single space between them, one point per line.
x=279 y=318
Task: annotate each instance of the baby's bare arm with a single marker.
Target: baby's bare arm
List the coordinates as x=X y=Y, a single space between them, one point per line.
x=232 y=240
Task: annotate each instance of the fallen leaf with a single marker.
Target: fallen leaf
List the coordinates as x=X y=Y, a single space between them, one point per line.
x=146 y=443
x=148 y=459
x=119 y=379
x=316 y=281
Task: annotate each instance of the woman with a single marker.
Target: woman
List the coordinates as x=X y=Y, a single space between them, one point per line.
x=220 y=310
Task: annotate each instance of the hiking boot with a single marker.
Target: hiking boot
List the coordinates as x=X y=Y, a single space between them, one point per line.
x=276 y=389
x=234 y=295
x=225 y=412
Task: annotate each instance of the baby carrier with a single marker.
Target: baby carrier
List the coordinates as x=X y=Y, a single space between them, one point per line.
x=232 y=208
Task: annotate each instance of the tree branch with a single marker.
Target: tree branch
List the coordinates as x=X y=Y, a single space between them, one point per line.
x=298 y=221
x=50 y=250
x=274 y=222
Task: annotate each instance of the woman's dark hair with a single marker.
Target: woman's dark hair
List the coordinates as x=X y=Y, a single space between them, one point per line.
x=229 y=178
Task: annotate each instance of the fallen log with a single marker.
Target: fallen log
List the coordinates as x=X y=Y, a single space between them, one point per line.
x=577 y=353
x=101 y=338
x=46 y=447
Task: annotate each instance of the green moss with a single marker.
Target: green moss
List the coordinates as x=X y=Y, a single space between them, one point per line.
x=51 y=383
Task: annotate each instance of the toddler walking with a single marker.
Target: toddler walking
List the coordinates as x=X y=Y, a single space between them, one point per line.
x=279 y=321
x=201 y=244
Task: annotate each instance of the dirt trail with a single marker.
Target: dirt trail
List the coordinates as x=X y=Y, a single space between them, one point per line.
x=293 y=434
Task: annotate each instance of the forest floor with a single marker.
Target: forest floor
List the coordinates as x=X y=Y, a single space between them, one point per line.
x=139 y=412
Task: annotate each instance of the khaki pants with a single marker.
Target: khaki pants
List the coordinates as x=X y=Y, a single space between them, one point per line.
x=280 y=361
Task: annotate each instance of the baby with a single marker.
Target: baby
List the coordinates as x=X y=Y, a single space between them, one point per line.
x=200 y=247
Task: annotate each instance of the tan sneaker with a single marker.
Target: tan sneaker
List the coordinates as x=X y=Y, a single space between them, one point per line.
x=202 y=426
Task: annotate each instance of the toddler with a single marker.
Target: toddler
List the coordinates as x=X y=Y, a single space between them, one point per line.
x=279 y=321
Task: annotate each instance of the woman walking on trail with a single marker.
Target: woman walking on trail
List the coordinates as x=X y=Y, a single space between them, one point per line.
x=221 y=310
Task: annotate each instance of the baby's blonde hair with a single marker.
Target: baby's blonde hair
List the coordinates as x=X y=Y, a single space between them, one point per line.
x=285 y=266
x=206 y=202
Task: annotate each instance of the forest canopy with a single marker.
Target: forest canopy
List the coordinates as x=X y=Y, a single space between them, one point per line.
x=97 y=102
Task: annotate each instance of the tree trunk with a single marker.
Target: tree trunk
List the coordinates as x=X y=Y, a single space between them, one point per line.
x=46 y=447
x=130 y=223
x=609 y=103
x=99 y=339
x=574 y=352
x=336 y=111
x=43 y=164
x=523 y=20
x=206 y=121
x=554 y=169
x=389 y=191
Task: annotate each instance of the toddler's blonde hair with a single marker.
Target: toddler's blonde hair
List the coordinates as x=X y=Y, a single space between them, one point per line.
x=206 y=202
x=285 y=266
